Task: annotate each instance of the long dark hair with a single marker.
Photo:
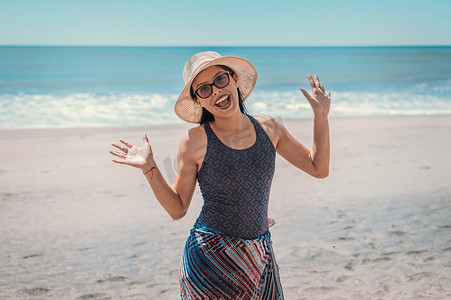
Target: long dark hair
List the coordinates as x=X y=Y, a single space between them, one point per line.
x=208 y=116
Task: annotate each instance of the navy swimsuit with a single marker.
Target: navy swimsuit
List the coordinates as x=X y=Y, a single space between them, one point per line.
x=235 y=185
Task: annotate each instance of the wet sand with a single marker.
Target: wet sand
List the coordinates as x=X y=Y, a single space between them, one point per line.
x=73 y=225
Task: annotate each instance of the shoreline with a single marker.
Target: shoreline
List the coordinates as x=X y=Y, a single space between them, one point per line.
x=188 y=125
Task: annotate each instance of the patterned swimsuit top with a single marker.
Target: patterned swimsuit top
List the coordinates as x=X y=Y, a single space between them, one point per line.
x=235 y=184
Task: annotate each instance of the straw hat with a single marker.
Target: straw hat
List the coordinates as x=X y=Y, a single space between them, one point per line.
x=186 y=108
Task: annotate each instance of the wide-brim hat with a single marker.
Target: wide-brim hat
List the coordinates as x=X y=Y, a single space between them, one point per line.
x=186 y=108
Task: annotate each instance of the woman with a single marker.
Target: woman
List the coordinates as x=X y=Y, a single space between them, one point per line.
x=228 y=254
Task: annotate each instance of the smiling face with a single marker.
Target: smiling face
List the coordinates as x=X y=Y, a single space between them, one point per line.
x=223 y=102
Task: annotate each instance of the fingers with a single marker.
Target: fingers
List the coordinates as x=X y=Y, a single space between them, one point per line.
x=123 y=149
x=119 y=162
x=126 y=143
x=118 y=154
x=317 y=83
x=145 y=139
x=307 y=95
x=122 y=162
x=312 y=83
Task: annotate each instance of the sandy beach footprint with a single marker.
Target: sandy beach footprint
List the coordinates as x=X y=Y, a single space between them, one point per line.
x=32 y=255
x=36 y=291
x=95 y=296
x=113 y=279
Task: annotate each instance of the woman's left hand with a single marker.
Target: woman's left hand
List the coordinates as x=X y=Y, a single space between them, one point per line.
x=319 y=101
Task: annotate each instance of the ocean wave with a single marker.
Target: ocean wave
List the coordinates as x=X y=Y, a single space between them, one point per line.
x=85 y=110
x=352 y=103
x=100 y=110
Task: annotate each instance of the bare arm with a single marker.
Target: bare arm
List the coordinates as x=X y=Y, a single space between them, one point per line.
x=316 y=162
x=175 y=200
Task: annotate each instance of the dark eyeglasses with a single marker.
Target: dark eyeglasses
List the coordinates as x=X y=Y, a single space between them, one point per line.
x=204 y=91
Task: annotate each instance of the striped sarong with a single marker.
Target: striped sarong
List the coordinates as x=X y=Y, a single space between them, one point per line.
x=218 y=266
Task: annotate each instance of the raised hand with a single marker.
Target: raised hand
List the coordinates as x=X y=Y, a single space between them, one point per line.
x=138 y=157
x=319 y=101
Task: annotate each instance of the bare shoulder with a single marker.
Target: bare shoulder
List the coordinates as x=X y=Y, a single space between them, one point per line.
x=271 y=126
x=263 y=119
x=197 y=135
x=194 y=136
x=193 y=143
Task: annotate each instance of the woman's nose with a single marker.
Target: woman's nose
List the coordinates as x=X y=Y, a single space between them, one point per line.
x=216 y=90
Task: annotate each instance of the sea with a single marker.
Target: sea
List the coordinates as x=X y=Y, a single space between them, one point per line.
x=72 y=87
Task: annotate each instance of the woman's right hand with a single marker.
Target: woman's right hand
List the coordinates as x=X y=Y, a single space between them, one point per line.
x=138 y=157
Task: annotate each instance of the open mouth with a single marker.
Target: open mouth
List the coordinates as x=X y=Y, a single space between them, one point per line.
x=223 y=102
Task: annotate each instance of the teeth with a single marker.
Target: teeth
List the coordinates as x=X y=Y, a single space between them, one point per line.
x=221 y=99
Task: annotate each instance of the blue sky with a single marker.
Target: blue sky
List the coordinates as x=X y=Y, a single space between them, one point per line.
x=225 y=23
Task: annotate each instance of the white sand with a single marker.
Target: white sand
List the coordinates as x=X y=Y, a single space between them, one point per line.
x=73 y=225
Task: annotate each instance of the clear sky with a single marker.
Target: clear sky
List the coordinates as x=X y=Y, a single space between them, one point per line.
x=225 y=23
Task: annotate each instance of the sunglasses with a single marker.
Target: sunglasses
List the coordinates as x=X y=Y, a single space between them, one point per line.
x=221 y=81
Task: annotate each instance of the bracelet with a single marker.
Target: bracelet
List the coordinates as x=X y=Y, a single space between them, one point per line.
x=150 y=170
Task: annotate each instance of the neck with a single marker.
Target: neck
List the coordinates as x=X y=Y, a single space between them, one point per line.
x=237 y=122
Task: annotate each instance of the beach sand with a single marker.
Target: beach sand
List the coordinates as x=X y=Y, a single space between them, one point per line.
x=73 y=225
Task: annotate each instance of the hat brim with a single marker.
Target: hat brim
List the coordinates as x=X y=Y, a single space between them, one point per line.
x=187 y=109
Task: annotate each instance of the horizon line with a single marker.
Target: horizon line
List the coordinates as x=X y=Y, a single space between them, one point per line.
x=225 y=46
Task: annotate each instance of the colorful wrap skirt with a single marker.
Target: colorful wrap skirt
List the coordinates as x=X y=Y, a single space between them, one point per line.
x=218 y=266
